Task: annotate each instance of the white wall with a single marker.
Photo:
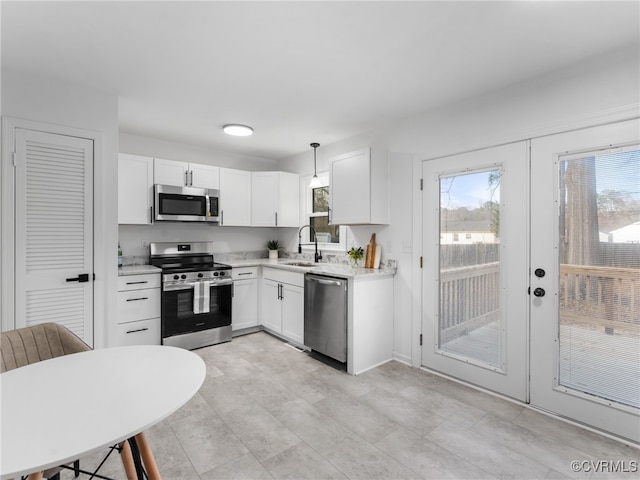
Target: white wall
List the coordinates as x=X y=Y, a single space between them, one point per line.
x=577 y=96
x=43 y=100
x=158 y=148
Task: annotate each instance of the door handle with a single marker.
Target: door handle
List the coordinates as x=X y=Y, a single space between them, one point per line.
x=82 y=278
x=539 y=292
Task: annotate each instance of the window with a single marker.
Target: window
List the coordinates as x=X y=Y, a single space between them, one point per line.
x=317 y=214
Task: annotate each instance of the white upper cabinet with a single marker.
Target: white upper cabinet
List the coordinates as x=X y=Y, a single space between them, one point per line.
x=359 y=188
x=182 y=174
x=135 y=189
x=235 y=198
x=275 y=199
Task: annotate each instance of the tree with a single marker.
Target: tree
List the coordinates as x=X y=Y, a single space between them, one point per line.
x=581 y=212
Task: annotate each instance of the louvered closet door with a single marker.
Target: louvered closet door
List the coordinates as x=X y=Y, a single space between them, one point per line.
x=54 y=231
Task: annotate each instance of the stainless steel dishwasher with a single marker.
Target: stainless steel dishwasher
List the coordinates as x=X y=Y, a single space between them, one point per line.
x=325 y=315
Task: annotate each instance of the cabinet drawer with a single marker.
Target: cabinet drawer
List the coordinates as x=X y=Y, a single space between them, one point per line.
x=138 y=305
x=134 y=282
x=284 y=276
x=244 y=273
x=143 y=332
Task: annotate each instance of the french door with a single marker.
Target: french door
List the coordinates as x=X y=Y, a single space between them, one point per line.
x=475 y=276
x=585 y=259
x=532 y=275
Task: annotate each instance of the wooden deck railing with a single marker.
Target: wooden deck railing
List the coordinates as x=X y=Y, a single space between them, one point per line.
x=469 y=298
x=606 y=297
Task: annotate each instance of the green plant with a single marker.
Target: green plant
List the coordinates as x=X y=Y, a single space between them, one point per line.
x=273 y=245
x=355 y=253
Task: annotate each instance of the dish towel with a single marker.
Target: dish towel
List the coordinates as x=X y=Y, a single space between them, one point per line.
x=201 y=297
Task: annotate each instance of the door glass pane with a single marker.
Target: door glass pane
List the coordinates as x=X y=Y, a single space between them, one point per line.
x=469 y=314
x=599 y=321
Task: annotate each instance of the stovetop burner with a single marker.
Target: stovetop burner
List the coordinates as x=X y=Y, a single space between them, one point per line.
x=184 y=257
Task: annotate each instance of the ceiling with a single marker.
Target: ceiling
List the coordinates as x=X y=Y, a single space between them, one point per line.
x=300 y=72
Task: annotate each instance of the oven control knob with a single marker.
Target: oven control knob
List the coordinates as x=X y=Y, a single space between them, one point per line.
x=215 y=274
x=183 y=276
x=200 y=275
x=176 y=277
x=222 y=274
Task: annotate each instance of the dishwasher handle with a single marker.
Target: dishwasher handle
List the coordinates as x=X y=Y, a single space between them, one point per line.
x=325 y=281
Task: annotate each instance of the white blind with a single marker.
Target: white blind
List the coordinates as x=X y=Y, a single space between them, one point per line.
x=599 y=329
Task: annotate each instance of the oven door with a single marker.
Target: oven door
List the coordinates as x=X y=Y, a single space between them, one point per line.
x=178 y=307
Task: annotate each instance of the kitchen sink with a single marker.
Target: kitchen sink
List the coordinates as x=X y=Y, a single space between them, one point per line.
x=302 y=264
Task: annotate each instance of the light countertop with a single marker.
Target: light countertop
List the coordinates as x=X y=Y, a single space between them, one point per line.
x=335 y=269
x=137 y=270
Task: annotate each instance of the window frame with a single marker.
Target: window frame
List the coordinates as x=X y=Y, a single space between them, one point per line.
x=306 y=212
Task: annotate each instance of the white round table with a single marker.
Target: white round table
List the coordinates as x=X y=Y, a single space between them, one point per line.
x=56 y=411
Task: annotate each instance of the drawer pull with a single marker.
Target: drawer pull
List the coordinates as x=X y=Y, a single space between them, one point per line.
x=199 y=324
x=136 y=299
x=246 y=273
x=138 y=330
x=137 y=283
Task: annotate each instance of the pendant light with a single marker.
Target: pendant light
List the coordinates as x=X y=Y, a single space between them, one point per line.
x=315 y=181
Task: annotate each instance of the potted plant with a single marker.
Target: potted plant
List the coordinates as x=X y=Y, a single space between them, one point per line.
x=355 y=254
x=273 y=246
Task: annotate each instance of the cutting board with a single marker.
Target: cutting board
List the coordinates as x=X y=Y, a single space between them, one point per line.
x=370 y=256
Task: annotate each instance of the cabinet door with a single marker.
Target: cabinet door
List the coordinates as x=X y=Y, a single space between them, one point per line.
x=204 y=176
x=235 y=197
x=271 y=306
x=264 y=199
x=288 y=200
x=245 y=304
x=351 y=188
x=170 y=172
x=135 y=189
x=293 y=313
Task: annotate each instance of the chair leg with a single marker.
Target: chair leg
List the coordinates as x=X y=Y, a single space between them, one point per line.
x=35 y=476
x=76 y=468
x=127 y=461
x=147 y=457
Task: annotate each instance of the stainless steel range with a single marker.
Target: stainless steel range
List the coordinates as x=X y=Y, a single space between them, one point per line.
x=196 y=294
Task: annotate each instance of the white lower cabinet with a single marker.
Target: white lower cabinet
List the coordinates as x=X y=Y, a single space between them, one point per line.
x=283 y=303
x=139 y=304
x=244 y=308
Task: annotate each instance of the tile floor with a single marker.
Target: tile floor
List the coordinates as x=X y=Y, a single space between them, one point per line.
x=267 y=411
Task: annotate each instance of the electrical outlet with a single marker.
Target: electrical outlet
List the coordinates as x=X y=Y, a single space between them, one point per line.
x=406 y=246
x=389 y=249
x=145 y=244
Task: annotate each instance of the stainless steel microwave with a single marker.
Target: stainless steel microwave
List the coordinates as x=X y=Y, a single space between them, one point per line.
x=185 y=204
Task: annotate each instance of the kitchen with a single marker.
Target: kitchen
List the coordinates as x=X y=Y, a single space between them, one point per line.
x=579 y=91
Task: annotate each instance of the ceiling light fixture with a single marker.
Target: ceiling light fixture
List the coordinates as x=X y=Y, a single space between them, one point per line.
x=237 y=130
x=315 y=181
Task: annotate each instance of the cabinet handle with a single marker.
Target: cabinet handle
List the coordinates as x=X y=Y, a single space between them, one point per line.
x=150 y=214
x=186 y=178
x=136 y=299
x=138 y=330
x=245 y=273
x=276 y=219
x=136 y=283
x=328 y=216
x=191 y=178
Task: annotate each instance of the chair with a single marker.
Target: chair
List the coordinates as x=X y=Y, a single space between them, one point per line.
x=24 y=346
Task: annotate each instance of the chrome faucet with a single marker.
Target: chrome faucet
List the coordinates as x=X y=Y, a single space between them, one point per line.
x=317 y=256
